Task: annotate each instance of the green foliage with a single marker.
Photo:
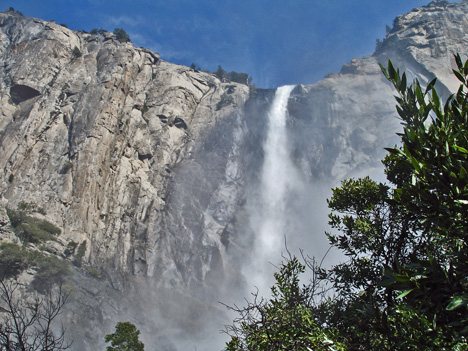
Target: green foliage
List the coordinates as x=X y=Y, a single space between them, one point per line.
x=93 y=272
x=434 y=159
x=31 y=229
x=13 y=260
x=12 y=10
x=66 y=167
x=121 y=35
x=76 y=52
x=404 y=284
x=221 y=74
x=242 y=78
x=30 y=207
x=225 y=77
x=125 y=338
x=50 y=271
x=284 y=322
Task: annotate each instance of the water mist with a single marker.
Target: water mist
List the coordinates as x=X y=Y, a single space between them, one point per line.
x=279 y=181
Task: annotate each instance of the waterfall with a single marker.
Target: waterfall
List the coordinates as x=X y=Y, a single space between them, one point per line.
x=278 y=182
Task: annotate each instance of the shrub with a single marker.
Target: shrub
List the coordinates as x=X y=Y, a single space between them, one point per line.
x=30 y=229
x=29 y=207
x=13 y=260
x=50 y=271
x=67 y=166
x=16 y=217
x=93 y=272
x=76 y=52
x=30 y=233
x=121 y=35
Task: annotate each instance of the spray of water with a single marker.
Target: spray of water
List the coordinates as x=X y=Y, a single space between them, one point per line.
x=279 y=180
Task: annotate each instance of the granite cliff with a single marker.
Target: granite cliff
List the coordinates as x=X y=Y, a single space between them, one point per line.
x=152 y=168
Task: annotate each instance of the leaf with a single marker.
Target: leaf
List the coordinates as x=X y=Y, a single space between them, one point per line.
x=391 y=69
x=401 y=278
x=456 y=303
x=416 y=164
x=461 y=149
x=419 y=94
x=459 y=76
x=463 y=172
x=384 y=71
x=430 y=85
x=458 y=61
x=404 y=293
x=403 y=82
x=435 y=99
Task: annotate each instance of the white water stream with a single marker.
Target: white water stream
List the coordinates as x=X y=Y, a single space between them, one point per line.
x=279 y=181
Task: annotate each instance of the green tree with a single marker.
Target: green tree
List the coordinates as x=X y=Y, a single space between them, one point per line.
x=404 y=285
x=76 y=52
x=125 y=338
x=242 y=78
x=284 y=322
x=121 y=35
x=431 y=178
x=222 y=74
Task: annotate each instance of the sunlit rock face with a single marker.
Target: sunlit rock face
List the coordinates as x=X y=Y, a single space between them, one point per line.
x=344 y=121
x=156 y=166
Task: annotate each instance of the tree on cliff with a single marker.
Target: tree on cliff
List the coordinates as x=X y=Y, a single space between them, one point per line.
x=404 y=285
x=121 y=35
x=125 y=338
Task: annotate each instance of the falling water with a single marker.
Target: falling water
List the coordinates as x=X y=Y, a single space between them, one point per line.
x=279 y=179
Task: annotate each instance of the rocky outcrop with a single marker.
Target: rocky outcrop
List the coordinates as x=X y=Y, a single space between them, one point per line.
x=342 y=123
x=95 y=138
x=121 y=150
x=151 y=167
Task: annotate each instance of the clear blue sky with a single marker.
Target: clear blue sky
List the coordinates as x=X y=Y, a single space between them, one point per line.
x=276 y=41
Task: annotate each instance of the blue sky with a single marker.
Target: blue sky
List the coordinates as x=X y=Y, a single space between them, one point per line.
x=276 y=41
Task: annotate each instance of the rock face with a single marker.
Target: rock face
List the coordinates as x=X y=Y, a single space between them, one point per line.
x=150 y=166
